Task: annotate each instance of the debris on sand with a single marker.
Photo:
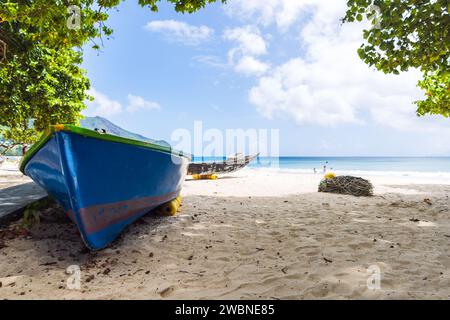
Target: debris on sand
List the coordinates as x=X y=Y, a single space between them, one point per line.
x=327 y=260
x=347 y=185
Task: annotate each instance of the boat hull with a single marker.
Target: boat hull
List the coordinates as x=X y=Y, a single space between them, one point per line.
x=213 y=168
x=103 y=185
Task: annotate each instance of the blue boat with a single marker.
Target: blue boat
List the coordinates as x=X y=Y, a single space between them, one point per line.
x=104 y=182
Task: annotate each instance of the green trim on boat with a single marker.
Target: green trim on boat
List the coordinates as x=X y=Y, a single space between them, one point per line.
x=48 y=134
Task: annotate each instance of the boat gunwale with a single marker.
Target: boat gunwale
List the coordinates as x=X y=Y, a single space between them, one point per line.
x=48 y=134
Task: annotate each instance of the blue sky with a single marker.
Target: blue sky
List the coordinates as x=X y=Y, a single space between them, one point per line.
x=271 y=64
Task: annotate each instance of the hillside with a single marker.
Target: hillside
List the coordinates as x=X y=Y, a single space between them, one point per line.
x=102 y=123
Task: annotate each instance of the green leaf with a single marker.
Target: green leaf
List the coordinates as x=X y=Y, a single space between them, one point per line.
x=42 y=82
x=409 y=34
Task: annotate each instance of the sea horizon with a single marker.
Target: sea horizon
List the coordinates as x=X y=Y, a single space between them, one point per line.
x=379 y=165
x=351 y=164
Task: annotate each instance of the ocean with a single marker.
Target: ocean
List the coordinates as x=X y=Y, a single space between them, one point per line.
x=403 y=166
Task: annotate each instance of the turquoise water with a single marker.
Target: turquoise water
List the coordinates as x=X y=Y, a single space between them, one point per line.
x=379 y=164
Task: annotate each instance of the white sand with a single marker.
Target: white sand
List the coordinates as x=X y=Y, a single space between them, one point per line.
x=281 y=183
x=251 y=235
x=10 y=175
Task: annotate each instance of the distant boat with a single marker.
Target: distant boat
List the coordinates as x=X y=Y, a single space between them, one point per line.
x=104 y=182
x=230 y=165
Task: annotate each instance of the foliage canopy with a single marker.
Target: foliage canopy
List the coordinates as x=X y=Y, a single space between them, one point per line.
x=409 y=34
x=41 y=82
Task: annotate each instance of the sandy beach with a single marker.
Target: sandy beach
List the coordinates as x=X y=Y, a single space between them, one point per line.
x=256 y=234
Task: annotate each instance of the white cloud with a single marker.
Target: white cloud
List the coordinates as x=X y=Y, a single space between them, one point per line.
x=249 y=39
x=105 y=107
x=181 y=32
x=212 y=61
x=102 y=105
x=136 y=103
x=327 y=84
x=282 y=12
x=249 y=45
x=251 y=66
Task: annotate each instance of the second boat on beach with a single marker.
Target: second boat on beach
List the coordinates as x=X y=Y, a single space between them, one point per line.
x=104 y=182
x=230 y=165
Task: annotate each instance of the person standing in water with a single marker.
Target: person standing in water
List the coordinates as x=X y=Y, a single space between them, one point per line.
x=325 y=167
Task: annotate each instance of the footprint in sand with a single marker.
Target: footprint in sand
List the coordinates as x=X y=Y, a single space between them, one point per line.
x=225 y=259
x=320 y=290
x=426 y=224
x=222 y=226
x=362 y=220
x=312 y=253
x=197 y=226
x=357 y=246
x=167 y=292
x=444 y=260
x=190 y=234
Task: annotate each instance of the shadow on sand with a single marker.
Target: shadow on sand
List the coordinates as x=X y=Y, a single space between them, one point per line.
x=17 y=197
x=56 y=241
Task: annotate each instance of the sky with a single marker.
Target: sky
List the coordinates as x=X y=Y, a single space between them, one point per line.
x=287 y=65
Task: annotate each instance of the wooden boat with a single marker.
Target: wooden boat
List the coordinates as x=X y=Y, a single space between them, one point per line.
x=230 y=165
x=104 y=182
